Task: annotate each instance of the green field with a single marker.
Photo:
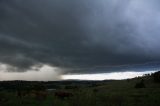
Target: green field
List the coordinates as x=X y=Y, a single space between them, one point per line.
x=109 y=93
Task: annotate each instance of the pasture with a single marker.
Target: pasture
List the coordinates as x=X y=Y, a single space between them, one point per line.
x=102 y=93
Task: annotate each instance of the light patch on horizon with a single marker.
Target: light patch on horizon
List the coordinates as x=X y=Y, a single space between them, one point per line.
x=45 y=73
x=105 y=76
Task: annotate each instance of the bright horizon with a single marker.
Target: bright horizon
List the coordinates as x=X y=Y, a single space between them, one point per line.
x=106 y=76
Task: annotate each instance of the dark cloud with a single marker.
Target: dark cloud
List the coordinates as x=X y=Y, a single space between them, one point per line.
x=78 y=35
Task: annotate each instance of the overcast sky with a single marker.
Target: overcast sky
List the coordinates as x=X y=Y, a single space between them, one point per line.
x=76 y=36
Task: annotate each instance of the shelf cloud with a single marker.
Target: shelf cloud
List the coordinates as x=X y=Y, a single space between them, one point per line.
x=76 y=35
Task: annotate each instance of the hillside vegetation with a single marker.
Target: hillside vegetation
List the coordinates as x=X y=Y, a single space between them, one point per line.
x=140 y=91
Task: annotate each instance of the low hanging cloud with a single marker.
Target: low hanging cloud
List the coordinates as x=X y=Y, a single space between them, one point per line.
x=77 y=35
x=45 y=73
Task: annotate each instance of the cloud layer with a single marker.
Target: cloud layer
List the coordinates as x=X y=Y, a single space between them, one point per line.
x=78 y=34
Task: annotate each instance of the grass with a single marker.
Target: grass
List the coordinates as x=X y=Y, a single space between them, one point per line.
x=115 y=93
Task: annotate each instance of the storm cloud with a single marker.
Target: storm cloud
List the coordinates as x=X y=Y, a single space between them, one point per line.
x=77 y=35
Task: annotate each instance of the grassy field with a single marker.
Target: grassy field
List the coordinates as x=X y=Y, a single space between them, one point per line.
x=113 y=93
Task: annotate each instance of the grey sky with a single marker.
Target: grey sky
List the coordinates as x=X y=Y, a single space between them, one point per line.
x=78 y=34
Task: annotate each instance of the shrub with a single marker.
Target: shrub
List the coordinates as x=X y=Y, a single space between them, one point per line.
x=140 y=84
x=156 y=77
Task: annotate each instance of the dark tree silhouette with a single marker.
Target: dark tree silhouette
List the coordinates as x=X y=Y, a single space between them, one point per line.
x=156 y=77
x=140 y=84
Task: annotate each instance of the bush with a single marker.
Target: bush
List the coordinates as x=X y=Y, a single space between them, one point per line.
x=140 y=84
x=39 y=87
x=156 y=77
